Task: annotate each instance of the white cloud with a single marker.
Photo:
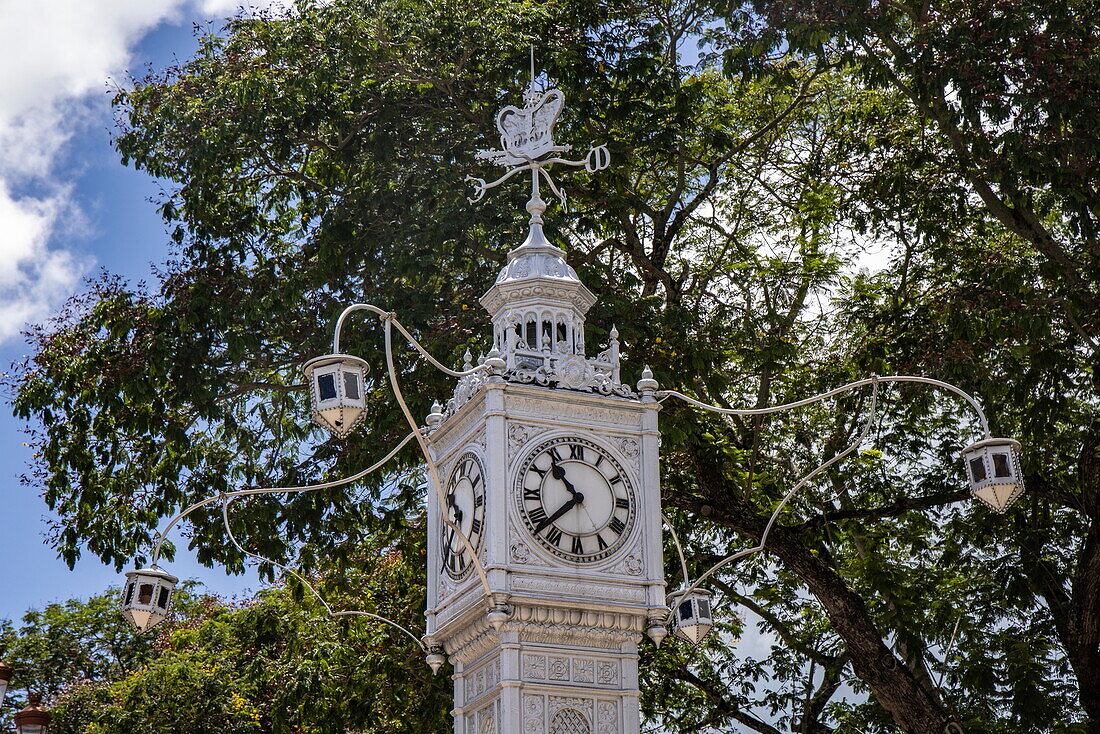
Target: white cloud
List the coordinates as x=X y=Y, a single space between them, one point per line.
x=57 y=56
x=33 y=277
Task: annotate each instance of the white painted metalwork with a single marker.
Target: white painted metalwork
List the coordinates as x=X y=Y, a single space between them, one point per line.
x=526 y=138
x=147 y=597
x=993 y=469
x=873 y=381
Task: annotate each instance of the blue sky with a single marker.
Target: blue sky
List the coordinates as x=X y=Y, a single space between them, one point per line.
x=67 y=209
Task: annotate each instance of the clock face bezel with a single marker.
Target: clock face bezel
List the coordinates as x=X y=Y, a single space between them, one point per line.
x=591 y=460
x=460 y=472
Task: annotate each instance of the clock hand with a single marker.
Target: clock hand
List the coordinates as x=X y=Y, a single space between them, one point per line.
x=558 y=472
x=577 y=499
x=454 y=506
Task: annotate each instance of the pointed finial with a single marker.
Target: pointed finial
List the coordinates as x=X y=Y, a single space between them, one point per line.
x=614 y=332
x=435 y=658
x=436 y=416
x=496 y=362
x=657 y=631
x=647 y=384
x=467 y=361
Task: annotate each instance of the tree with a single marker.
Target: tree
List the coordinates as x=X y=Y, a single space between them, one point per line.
x=275 y=663
x=315 y=160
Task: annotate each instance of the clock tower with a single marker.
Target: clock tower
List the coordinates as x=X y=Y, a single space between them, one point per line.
x=549 y=465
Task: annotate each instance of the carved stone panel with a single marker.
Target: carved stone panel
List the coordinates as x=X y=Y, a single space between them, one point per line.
x=607 y=717
x=533 y=707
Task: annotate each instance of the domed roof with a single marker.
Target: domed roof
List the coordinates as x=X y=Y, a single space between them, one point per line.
x=537 y=270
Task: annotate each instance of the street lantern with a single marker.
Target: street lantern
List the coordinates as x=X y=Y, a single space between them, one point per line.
x=692 y=619
x=147 y=596
x=993 y=469
x=336 y=388
x=33 y=719
x=6 y=673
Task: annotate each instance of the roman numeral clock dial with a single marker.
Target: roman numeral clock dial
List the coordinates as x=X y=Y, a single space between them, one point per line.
x=465 y=508
x=575 y=499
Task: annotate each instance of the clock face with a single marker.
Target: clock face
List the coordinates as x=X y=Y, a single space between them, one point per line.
x=466 y=509
x=575 y=499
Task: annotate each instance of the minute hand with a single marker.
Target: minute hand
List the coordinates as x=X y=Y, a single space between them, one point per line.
x=577 y=499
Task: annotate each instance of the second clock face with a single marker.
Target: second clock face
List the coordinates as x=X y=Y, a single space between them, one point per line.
x=466 y=509
x=575 y=498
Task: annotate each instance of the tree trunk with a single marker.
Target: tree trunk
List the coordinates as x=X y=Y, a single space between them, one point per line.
x=891 y=682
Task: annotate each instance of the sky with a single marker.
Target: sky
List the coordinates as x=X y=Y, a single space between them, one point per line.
x=68 y=209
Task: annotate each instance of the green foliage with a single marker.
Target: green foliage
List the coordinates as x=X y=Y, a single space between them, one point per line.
x=277 y=663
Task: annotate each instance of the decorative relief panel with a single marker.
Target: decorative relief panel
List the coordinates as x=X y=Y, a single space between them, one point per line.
x=533 y=707
x=558 y=411
x=569 y=715
x=607 y=673
x=483 y=680
x=487 y=723
x=521 y=433
x=630 y=566
x=584 y=670
x=558 y=668
x=607 y=717
x=578 y=669
x=565 y=588
x=534 y=667
x=628 y=447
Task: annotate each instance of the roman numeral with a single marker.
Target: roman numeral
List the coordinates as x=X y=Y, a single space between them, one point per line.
x=531 y=494
x=475 y=481
x=576 y=451
x=540 y=472
x=475 y=526
x=464 y=470
x=578 y=547
x=599 y=460
x=599 y=542
x=453 y=563
x=537 y=515
x=553 y=535
x=615 y=480
x=554 y=453
x=479 y=500
x=622 y=503
x=617 y=526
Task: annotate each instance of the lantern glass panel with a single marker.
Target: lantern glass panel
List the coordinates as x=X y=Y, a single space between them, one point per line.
x=1002 y=467
x=145 y=594
x=30 y=729
x=977 y=469
x=129 y=592
x=351 y=385
x=685 y=610
x=704 y=608
x=162 y=600
x=326 y=386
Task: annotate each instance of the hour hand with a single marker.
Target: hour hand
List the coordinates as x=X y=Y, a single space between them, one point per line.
x=558 y=472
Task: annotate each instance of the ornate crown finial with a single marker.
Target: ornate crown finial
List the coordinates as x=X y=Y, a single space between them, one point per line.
x=527 y=144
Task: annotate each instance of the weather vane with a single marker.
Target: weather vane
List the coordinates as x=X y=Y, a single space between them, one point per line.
x=526 y=141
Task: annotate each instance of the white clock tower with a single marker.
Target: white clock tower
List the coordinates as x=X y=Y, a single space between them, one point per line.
x=550 y=471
